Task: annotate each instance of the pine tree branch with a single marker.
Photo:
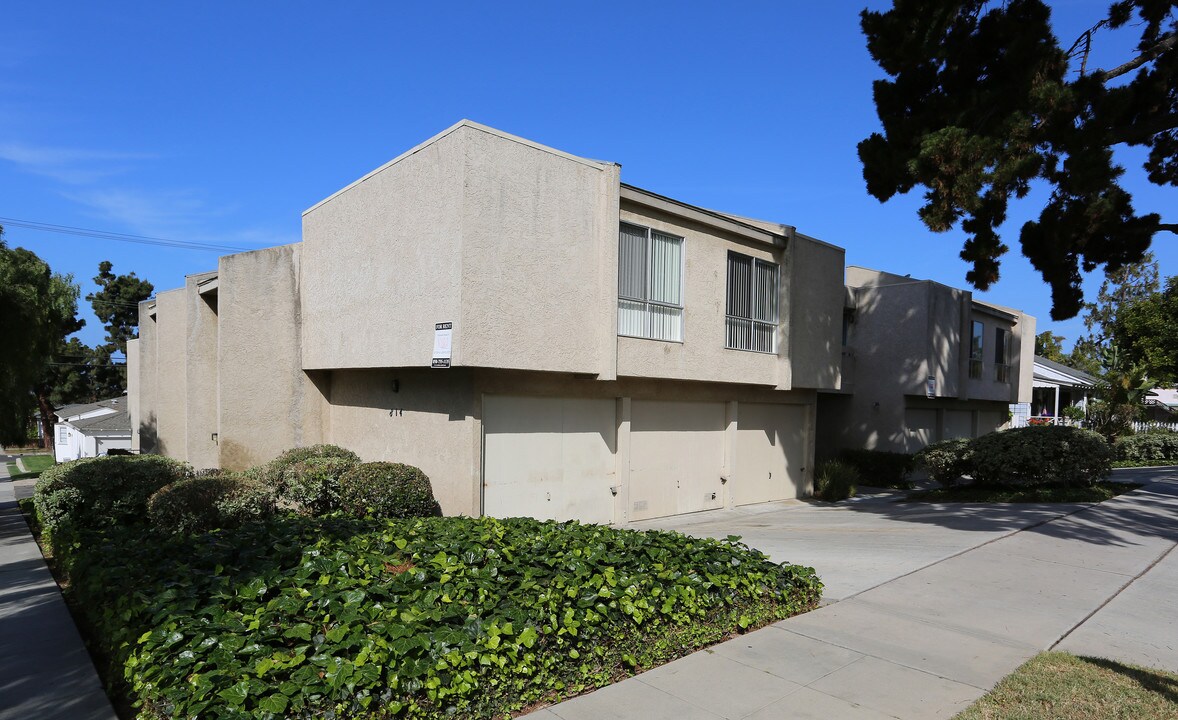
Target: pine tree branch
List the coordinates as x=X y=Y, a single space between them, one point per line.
x=1163 y=45
x=1142 y=132
x=1172 y=227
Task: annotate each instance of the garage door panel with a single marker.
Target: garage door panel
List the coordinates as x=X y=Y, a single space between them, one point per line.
x=676 y=457
x=770 y=452
x=921 y=428
x=958 y=424
x=548 y=458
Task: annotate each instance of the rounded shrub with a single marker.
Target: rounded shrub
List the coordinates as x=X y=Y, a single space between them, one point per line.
x=836 y=480
x=311 y=486
x=100 y=492
x=388 y=490
x=272 y=473
x=946 y=461
x=209 y=501
x=1040 y=455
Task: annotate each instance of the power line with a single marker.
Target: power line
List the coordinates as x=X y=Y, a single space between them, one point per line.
x=121 y=237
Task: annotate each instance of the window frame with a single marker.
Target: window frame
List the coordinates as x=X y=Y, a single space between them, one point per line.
x=753 y=322
x=977 y=349
x=1002 y=355
x=646 y=301
x=63 y=435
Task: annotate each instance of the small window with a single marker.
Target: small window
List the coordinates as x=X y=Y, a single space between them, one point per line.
x=751 y=316
x=1001 y=355
x=975 y=350
x=650 y=284
x=62 y=435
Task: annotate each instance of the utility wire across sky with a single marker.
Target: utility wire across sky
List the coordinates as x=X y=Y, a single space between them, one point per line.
x=121 y=237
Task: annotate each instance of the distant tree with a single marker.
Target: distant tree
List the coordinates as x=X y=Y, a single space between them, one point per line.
x=983 y=101
x=1121 y=287
x=1086 y=356
x=117 y=304
x=38 y=308
x=1049 y=345
x=1147 y=333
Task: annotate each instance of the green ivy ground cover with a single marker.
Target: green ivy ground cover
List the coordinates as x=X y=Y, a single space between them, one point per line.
x=438 y=617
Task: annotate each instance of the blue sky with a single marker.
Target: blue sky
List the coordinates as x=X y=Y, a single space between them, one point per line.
x=220 y=123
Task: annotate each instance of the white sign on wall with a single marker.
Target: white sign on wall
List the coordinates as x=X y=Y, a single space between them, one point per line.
x=930 y=387
x=443 y=337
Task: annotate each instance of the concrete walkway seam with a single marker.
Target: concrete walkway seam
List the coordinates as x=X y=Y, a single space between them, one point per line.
x=1115 y=595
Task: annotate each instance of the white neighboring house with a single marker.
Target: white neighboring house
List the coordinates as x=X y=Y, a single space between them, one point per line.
x=91 y=429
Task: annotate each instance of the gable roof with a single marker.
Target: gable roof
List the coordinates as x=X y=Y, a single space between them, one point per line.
x=105 y=424
x=69 y=411
x=1076 y=377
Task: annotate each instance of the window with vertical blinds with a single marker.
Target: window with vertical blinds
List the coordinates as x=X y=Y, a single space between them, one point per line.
x=650 y=284
x=751 y=315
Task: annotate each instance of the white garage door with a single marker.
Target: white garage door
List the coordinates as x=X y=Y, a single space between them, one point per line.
x=676 y=457
x=548 y=458
x=920 y=428
x=770 y=452
x=958 y=424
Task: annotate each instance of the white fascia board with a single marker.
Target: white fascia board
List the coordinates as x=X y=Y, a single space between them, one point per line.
x=638 y=196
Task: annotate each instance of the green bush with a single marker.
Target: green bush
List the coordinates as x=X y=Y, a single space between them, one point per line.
x=1046 y=454
x=387 y=490
x=1160 y=446
x=103 y=491
x=945 y=461
x=209 y=501
x=273 y=473
x=880 y=468
x=311 y=486
x=428 y=618
x=836 y=480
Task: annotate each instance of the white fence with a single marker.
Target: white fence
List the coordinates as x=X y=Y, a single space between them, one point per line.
x=1143 y=426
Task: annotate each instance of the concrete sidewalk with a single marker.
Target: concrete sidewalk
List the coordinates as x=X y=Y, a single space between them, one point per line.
x=45 y=672
x=1003 y=584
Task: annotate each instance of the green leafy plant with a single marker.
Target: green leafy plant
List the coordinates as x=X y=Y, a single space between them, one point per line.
x=1153 y=447
x=836 y=480
x=312 y=486
x=427 y=618
x=208 y=502
x=273 y=473
x=390 y=490
x=945 y=461
x=880 y=468
x=1049 y=454
x=102 y=492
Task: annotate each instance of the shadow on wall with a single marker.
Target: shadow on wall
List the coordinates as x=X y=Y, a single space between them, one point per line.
x=149 y=443
x=1157 y=516
x=426 y=390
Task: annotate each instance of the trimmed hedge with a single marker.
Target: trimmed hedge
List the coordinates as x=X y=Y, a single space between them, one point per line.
x=312 y=486
x=879 y=468
x=102 y=492
x=1048 y=454
x=428 y=618
x=208 y=502
x=836 y=480
x=1154 y=446
x=387 y=490
x=946 y=461
x=273 y=472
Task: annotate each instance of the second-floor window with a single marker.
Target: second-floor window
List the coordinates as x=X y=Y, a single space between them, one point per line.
x=751 y=314
x=975 y=350
x=650 y=284
x=1001 y=355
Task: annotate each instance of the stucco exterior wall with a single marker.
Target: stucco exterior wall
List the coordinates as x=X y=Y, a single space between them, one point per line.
x=816 y=313
x=133 y=391
x=145 y=424
x=512 y=242
x=171 y=374
x=202 y=388
x=702 y=355
x=267 y=403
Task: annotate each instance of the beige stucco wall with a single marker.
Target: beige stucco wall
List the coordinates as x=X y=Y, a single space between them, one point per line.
x=202 y=388
x=267 y=403
x=815 y=313
x=514 y=243
x=133 y=391
x=171 y=376
x=147 y=346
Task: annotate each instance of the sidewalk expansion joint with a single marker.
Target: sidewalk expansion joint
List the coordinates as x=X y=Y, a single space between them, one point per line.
x=1114 y=596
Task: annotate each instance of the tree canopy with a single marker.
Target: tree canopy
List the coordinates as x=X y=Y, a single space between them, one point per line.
x=983 y=101
x=1049 y=345
x=1147 y=332
x=116 y=303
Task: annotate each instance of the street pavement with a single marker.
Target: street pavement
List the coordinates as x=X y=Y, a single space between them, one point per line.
x=974 y=591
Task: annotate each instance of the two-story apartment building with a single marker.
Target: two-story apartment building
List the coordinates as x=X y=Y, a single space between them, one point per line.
x=922 y=362
x=539 y=337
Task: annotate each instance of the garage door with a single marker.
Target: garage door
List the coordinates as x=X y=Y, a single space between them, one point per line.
x=676 y=457
x=958 y=424
x=770 y=452
x=920 y=428
x=548 y=458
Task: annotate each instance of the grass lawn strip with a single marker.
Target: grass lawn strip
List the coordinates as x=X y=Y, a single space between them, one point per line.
x=1061 y=686
x=34 y=466
x=430 y=618
x=1097 y=492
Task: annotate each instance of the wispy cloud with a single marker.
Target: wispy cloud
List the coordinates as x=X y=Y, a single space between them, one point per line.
x=71 y=166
